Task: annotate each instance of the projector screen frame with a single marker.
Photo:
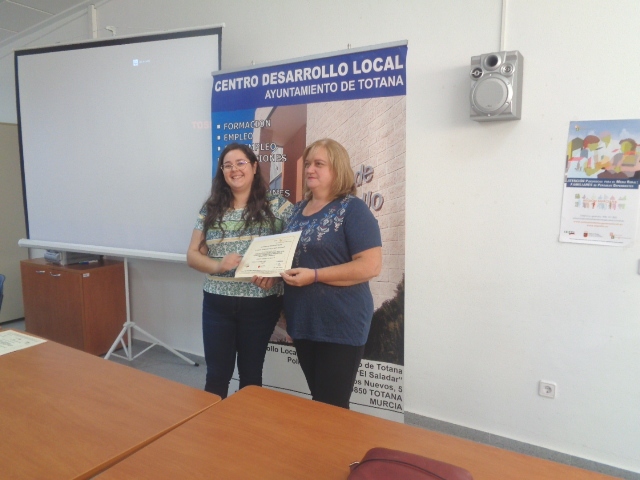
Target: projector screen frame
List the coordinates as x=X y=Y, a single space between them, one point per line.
x=29 y=242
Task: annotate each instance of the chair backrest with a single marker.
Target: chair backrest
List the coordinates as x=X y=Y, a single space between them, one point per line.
x=1 y=289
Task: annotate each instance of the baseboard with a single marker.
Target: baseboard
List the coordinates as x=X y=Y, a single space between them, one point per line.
x=6 y=323
x=515 y=446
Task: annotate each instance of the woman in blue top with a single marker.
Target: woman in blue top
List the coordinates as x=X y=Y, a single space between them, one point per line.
x=238 y=316
x=327 y=302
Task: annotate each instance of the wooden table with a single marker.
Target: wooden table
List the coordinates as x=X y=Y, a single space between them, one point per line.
x=260 y=433
x=66 y=414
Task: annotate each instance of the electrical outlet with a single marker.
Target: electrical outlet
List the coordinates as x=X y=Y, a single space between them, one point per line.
x=547 y=389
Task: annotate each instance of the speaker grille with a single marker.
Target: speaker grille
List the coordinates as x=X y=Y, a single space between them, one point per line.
x=491 y=95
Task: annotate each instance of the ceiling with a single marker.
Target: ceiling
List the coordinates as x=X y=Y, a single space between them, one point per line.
x=19 y=17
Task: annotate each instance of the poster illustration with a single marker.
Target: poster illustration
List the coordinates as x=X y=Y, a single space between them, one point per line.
x=356 y=97
x=602 y=172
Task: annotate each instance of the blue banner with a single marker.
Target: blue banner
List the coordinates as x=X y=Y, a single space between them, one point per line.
x=358 y=97
x=350 y=76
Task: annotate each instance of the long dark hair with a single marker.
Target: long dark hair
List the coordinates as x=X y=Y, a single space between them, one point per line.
x=257 y=211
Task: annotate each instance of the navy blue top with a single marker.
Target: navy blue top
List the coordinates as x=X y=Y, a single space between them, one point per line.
x=322 y=312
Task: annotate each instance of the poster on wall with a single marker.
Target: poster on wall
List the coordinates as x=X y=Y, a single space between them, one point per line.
x=602 y=172
x=356 y=97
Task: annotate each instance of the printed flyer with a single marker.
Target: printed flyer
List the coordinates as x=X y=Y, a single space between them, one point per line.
x=602 y=172
x=357 y=97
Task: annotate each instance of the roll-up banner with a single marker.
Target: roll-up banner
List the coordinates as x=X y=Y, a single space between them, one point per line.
x=358 y=98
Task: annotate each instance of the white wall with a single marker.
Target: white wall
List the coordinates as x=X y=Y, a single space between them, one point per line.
x=494 y=303
x=11 y=223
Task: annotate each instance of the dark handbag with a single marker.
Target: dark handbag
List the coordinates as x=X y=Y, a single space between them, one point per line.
x=386 y=464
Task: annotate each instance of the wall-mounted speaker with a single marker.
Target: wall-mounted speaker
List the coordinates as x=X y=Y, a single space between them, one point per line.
x=496 y=86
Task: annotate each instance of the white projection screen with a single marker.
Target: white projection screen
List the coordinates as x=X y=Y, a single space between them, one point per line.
x=115 y=141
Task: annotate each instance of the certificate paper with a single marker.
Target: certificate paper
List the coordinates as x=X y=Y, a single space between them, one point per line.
x=269 y=256
x=10 y=341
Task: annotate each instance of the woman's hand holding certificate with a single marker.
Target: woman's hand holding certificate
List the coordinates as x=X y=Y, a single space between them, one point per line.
x=268 y=256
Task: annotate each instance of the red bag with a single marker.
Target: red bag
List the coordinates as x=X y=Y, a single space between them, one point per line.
x=386 y=464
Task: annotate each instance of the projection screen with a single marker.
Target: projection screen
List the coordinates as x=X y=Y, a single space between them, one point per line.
x=115 y=142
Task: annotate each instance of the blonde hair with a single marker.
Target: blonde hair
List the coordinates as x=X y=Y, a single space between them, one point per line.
x=344 y=180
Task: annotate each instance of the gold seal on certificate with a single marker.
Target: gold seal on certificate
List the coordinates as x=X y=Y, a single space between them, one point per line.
x=268 y=256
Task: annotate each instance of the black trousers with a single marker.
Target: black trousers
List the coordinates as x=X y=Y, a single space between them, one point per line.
x=330 y=370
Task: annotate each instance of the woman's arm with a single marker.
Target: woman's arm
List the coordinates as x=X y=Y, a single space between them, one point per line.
x=363 y=267
x=198 y=259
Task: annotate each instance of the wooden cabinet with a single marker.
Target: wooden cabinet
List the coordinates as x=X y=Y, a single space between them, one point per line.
x=81 y=306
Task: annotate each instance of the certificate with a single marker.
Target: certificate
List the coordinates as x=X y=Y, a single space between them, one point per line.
x=10 y=341
x=269 y=256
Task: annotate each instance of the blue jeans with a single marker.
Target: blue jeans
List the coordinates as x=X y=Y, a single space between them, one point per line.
x=236 y=325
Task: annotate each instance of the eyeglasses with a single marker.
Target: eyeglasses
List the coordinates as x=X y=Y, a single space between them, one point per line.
x=240 y=164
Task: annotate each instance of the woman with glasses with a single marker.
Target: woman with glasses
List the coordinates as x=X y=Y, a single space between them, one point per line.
x=327 y=301
x=238 y=316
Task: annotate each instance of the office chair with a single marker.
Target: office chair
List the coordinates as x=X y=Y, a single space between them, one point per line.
x=1 y=289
